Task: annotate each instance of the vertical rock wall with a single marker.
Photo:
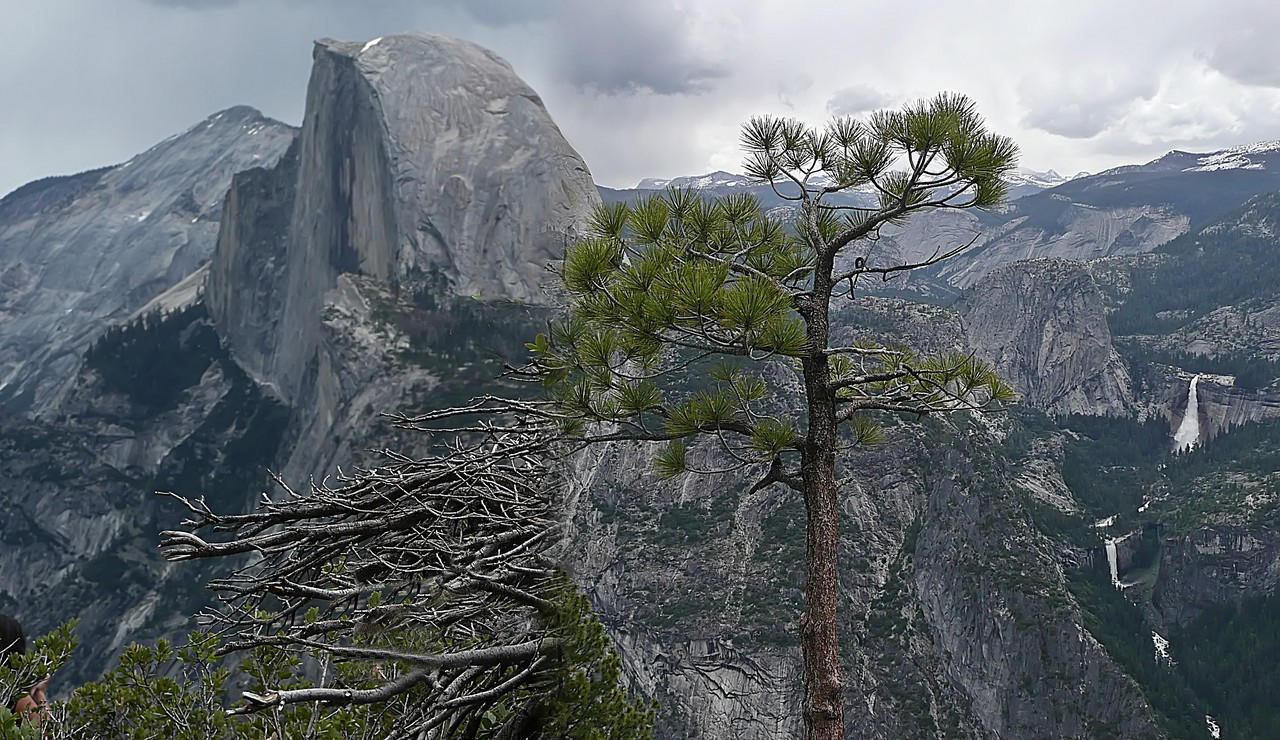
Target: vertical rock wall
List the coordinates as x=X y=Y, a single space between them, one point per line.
x=1043 y=324
x=423 y=163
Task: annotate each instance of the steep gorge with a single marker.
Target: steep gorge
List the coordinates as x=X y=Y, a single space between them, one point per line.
x=399 y=244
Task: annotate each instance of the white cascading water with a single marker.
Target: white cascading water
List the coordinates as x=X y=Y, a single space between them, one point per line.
x=1189 y=430
x=1162 y=648
x=1112 y=563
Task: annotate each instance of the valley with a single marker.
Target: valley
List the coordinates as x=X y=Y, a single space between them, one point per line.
x=247 y=296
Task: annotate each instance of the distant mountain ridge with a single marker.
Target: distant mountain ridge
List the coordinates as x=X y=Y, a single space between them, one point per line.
x=1023 y=182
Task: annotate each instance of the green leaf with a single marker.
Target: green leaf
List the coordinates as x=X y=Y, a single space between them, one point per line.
x=739 y=209
x=609 y=221
x=638 y=396
x=649 y=219
x=749 y=387
x=751 y=302
x=589 y=263
x=724 y=371
x=671 y=459
x=696 y=290
x=713 y=408
x=867 y=431
x=784 y=336
x=771 y=436
x=702 y=410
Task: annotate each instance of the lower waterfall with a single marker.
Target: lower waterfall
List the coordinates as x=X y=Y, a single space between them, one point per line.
x=1112 y=563
x=1189 y=430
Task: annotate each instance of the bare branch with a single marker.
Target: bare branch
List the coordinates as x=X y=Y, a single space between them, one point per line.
x=454 y=554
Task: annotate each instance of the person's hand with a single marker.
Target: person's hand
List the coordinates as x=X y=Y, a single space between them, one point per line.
x=37 y=692
x=31 y=706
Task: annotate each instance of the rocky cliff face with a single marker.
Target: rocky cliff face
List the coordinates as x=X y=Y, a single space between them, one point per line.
x=1223 y=407
x=79 y=536
x=345 y=279
x=1215 y=565
x=955 y=604
x=994 y=592
x=81 y=251
x=1043 y=324
x=1079 y=231
x=423 y=162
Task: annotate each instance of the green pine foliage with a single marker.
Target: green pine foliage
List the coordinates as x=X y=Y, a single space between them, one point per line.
x=1250 y=370
x=182 y=692
x=662 y=287
x=1229 y=656
x=1112 y=461
x=20 y=671
x=589 y=699
x=1124 y=631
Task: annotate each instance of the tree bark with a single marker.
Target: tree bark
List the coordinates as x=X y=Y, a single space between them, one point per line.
x=819 y=638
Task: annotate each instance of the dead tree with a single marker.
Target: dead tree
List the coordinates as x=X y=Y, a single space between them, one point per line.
x=437 y=576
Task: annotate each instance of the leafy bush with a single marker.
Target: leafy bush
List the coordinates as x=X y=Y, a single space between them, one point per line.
x=180 y=692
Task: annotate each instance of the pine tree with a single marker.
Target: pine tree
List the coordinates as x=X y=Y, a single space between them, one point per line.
x=664 y=288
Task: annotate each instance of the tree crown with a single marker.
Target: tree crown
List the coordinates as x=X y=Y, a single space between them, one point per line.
x=678 y=285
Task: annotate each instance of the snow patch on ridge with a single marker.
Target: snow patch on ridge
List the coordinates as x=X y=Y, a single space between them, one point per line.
x=721 y=179
x=717 y=179
x=1235 y=158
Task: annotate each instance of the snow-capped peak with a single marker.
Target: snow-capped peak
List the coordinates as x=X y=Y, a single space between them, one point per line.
x=717 y=179
x=1045 y=179
x=1235 y=158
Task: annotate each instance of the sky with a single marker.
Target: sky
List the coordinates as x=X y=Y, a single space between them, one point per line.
x=659 y=88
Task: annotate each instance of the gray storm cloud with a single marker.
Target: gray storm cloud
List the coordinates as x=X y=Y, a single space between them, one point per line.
x=1081 y=103
x=658 y=89
x=1249 y=56
x=858 y=99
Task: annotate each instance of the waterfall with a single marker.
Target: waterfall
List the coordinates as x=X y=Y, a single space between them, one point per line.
x=1112 y=563
x=1214 y=730
x=1189 y=430
x=1162 y=648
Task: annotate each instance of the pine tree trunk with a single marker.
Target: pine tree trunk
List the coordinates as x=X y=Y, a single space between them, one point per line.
x=819 y=638
x=824 y=708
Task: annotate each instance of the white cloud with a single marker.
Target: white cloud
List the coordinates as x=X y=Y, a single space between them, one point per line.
x=659 y=89
x=856 y=100
x=1080 y=103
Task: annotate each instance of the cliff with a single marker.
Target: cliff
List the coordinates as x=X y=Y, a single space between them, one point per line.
x=79 y=536
x=394 y=255
x=1043 y=324
x=425 y=163
x=954 y=604
x=1223 y=407
x=82 y=251
x=1214 y=565
x=343 y=282
x=1057 y=227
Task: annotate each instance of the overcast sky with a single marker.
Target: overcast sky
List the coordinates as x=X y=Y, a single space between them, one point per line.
x=658 y=88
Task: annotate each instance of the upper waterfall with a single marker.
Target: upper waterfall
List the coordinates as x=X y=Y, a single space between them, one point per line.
x=1189 y=430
